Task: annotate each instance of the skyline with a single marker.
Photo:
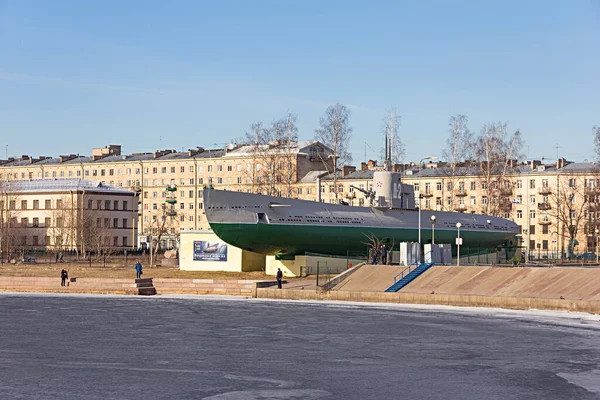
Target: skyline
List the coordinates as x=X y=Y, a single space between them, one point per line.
x=76 y=76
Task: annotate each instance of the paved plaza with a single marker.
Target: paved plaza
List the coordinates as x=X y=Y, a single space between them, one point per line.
x=116 y=347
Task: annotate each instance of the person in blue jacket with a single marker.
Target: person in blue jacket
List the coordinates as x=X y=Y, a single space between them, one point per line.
x=138 y=270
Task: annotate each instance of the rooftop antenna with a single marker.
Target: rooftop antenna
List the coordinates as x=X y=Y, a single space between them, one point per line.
x=557 y=147
x=367 y=145
x=6 y=149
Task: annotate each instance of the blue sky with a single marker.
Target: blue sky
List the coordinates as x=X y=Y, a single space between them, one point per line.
x=155 y=74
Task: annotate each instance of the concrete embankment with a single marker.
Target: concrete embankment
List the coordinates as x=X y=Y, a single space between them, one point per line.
x=515 y=303
x=567 y=288
x=240 y=287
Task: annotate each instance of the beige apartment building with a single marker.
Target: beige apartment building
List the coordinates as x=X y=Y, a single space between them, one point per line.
x=170 y=183
x=66 y=215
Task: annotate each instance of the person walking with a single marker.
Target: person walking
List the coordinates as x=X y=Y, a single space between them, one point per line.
x=279 y=278
x=383 y=254
x=138 y=270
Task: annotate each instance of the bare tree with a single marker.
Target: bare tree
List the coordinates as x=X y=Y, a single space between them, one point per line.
x=459 y=149
x=288 y=148
x=494 y=150
x=160 y=225
x=255 y=139
x=9 y=227
x=393 y=144
x=335 y=132
x=568 y=206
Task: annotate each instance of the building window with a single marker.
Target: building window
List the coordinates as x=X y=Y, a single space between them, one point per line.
x=107 y=204
x=36 y=204
x=115 y=222
x=116 y=205
x=47 y=222
x=36 y=222
x=219 y=168
x=519 y=214
x=35 y=241
x=532 y=229
x=209 y=168
x=532 y=214
x=124 y=241
x=173 y=170
x=532 y=184
x=124 y=205
x=23 y=204
x=124 y=222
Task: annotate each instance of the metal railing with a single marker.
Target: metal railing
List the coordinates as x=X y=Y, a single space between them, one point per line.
x=415 y=264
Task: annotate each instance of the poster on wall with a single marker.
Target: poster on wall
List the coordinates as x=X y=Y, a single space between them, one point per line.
x=210 y=251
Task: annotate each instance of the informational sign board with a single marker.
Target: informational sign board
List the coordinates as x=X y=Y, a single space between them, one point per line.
x=210 y=251
x=459 y=241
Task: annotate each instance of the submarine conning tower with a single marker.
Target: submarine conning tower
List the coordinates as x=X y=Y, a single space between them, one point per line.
x=390 y=192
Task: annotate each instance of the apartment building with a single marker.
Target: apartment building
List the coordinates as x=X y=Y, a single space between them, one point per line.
x=170 y=183
x=66 y=214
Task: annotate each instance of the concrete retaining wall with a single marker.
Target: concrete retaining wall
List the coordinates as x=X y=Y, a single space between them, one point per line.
x=515 y=303
x=242 y=287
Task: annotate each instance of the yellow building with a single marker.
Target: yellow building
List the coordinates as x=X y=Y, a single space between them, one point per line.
x=66 y=215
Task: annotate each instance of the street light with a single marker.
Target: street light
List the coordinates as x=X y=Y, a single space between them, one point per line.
x=597 y=231
x=458 y=243
x=555 y=247
x=432 y=219
x=421 y=195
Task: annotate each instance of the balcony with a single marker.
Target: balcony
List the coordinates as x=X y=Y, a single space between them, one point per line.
x=427 y=193
x=505 y=205
x=460 y=208
x=543 y=221
x=506 y=191
x=544 y=190
x=461 y=192
x=544 y=206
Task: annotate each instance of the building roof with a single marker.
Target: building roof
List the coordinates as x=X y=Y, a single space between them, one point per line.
x=61 y=185
x=299 y=147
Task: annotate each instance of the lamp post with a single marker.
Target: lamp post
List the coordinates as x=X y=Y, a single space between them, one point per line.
x=554 y=247
x=458 y=243
x=597 y=231
x=432 y=219
x=421 y=194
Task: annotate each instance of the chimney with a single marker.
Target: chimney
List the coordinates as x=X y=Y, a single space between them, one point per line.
x=110 y=150
x=347 y=170
x=560 y=163
x=512 y=163
x=62 y=159
x=372 y=164
x=535 y=163
x=193 y=152
x=160 y=153
x=363 y=166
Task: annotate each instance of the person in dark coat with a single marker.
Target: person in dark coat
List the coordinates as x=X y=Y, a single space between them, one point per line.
x=63 y=277
x=383 y=254
x=138 y=270
x=279 y=278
